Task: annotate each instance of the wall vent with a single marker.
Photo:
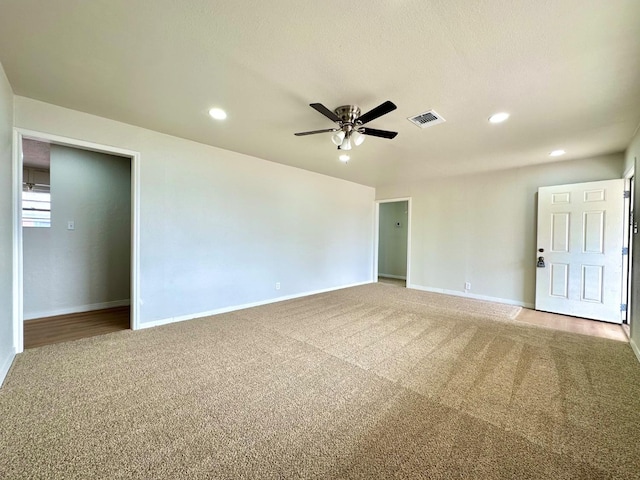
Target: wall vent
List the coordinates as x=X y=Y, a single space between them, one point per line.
x=426 y=119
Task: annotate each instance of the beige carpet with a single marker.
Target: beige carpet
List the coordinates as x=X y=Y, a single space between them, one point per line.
x=448 y=304
x=367 y=382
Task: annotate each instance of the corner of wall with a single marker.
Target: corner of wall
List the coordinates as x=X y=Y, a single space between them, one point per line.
x=635 y=348
x=5 y=365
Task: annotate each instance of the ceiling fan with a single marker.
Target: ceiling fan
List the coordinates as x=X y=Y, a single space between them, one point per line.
x=350 y=130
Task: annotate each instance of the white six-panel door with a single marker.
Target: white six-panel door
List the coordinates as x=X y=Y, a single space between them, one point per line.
x=580 y=229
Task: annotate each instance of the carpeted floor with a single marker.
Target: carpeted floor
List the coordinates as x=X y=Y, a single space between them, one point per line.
x=366 y=382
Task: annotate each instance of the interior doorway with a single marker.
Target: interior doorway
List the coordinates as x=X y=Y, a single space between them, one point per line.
x=393 y=219
x=76 y=242
x=76 y=272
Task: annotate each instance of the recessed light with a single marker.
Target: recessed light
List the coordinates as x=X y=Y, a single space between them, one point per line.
x=344 y=158
x=557 y=153
x=218 y=113
x=498 y=117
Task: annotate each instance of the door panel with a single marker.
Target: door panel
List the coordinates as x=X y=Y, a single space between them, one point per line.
x=593 y=239
x=559 y=280
x=580 y=229
x=560 y=232
x=592 y=283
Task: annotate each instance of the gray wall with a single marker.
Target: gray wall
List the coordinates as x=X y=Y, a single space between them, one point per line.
x=6 y=226
x=87 y=268
x=633 y=158
x=218 y=229
x=392 y=240
x=481 y=228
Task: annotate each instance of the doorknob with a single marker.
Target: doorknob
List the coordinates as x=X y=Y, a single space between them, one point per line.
x=540 y=263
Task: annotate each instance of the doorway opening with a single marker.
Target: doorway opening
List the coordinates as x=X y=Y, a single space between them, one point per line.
x=393 y=219
x=76 y=264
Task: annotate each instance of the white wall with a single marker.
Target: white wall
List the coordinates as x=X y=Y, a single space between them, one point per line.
x=218 y=228
x=482 y=228
x=86 y=268
x=7 y=351
x=392 y=243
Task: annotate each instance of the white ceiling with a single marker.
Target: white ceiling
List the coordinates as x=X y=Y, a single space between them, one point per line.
x=568 y=71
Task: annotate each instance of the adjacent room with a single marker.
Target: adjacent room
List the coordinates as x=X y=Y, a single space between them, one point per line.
x=76 y=269
x=319 y=240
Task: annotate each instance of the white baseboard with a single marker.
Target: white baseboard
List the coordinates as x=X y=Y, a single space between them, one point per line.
x=218 y=311
x=78 y=309
x=5 y=365
x=635 y=348
x=399 y=277
x=472 y=295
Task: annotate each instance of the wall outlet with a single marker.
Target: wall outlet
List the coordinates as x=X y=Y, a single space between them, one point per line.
x=277 y=285
x=71 y=225
x=467 y=285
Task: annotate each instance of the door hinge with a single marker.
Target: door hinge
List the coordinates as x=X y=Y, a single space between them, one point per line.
x=625 y=250
x=627 y=194
x=623 y=307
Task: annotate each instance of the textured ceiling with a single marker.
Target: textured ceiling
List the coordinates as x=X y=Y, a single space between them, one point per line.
x=568 y=71
x=36 y=154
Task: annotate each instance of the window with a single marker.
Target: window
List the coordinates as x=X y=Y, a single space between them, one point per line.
x=36 y=209
x=36 y=198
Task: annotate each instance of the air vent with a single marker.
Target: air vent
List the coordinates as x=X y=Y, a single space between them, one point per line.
x=427 y=119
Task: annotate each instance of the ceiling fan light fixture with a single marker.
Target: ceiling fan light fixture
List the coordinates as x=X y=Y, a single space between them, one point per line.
x=344 y=158
x=357 y=138
x=346 y=144
x=337 y=138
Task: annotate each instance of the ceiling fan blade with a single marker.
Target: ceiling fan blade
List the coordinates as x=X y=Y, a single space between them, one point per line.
x=325 y=111
x=380 y=110
x=378 y=133
x=300 y=134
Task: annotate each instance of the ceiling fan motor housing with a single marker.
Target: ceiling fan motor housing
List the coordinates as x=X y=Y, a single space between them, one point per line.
x=348 y=113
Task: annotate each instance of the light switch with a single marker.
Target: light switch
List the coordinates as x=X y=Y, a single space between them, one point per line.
x=71 y=225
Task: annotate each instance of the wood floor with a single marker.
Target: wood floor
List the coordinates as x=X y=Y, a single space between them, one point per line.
x=63 y=328
x=398 y=282
x=565 y=323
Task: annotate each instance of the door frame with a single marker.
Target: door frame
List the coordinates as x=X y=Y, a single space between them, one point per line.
x=18 y=286
x=376 y=236
x=627 y=239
